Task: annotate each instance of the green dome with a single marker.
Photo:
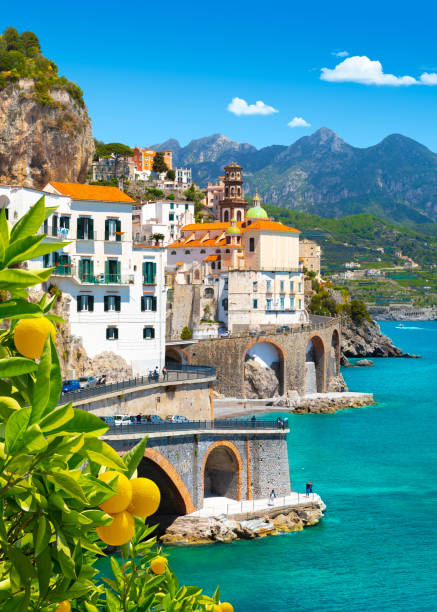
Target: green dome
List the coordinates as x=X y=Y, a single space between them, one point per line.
x=256 y=212
x=233 y=230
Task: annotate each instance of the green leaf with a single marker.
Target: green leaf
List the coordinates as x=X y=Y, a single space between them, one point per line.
x=67 y=484
x=102 y=453
x=18 y=250
x=41 y=390
x=22 y=564
x=16 y=308
x=42 y=536
x=4 y=233
x=16 y=427
x=55 y=378
x=57 y=418
x=38 y=250
x=44 y=571
x=133 y=457
x=15 y=366
x=16 y=278
x=97 y=517
x=30 y=222
x=64 y=555
x=84 y=422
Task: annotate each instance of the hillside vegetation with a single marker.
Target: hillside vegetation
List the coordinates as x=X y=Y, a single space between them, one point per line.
x=21 y=57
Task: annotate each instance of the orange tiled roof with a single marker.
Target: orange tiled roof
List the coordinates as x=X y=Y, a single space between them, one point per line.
x=100 y=193
x=273 y=226
x=211 y=258
x=197 y=227
x=198 y=243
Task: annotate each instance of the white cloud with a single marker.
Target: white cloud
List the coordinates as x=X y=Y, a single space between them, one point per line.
x=361 y=69
x=428 y=78
x=238 y=106
x=340 y=53
x=298 y=122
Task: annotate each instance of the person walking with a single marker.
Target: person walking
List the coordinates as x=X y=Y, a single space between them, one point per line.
x=156 y=374
x=164 y=373
x=308 y=488
x=272 y=497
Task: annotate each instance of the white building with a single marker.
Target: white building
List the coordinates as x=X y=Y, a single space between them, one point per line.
x=161 y=217
x=117 y=290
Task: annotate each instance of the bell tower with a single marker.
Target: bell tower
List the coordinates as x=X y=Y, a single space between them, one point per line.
x=233 y=206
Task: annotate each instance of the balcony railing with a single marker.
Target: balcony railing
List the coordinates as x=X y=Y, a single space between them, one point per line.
x=94 y=279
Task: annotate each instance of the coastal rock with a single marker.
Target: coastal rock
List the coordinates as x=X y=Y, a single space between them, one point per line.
x=291 y=399
x=364 y=363
x=331 y=402
x=337 y=384
x=259 y=381
x=42 y=142
x=366 y=340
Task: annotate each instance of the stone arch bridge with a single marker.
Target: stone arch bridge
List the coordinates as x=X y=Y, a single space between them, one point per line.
x=304 y=358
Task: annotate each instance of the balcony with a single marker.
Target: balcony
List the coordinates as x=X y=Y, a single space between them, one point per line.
x=94 y=279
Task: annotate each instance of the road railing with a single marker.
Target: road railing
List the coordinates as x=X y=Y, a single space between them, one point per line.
x=218 y=424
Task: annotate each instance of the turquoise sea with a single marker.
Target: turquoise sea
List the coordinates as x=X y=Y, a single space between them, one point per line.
x=376 y=469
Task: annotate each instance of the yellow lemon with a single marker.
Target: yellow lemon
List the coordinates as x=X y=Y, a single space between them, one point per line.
x=64 y=606
x=214 y=608
x=159 y=565
x=120 y=500
x=30 y=336
x=145 y=497
x=226 y=607
x=7 y=406
x=119 y=531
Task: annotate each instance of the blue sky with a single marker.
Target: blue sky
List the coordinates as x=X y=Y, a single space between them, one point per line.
x=151 y=71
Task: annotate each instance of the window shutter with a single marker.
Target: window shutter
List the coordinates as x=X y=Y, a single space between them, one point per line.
x=46 y=261
x=144 y=333
x=145 y=272
x=154 y=303
x=143 y=303
x=90 y=229
x=91 y=269
x=91 y=303
x=117 y=303
x=106 y=270
x=55 y=225
x=81 y=269
x=108 y=333
x=152 y=332
x=80 y=227
x=115 y=333
x=118 y=271
x=118 y=229
x=153 y=272
x=106 y=229
x=79 y=303
x=106 y=303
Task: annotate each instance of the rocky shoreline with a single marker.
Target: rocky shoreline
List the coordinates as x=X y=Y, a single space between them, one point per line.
x=194 y=530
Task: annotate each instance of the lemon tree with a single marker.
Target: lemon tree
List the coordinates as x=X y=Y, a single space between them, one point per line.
x=57 y=514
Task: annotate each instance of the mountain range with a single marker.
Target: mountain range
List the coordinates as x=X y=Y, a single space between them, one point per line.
x=395 y=179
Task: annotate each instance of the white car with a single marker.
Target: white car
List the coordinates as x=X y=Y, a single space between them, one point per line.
x=122 y=419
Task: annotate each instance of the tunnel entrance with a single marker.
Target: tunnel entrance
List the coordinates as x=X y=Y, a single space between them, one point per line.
x=264 y=370
x=222 y=476
x=175 y=356
x=175 y=499
x=314 y=366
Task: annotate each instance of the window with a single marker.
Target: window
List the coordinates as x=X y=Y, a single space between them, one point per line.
x=300 y=304
x=300 y=287
x=225 y=304
x=112 y=271
x=281 y=286
x=187 y=252
x=255 y=303
x=268 y=285
x=269 y=304
x=228 y=250
x=171 y=216
x=149 y=272
x=217 y=251
x=64 y=223
x=174 y=252
x=209 y=292
x=172 y=206
x=148 y=333
x=291 y=302
x=113 y=230
x=148 y=302
x=112 y=333
x=54 y=225
x=251 y=244
x=112 y=303
x=86 y=270
x=238 y=215
x=291 y=287
x=282 y=303
x=226 y=216
x=85 y=228
x=202 y=252
x=186 y=206
x=85 y=303
x=255 y=285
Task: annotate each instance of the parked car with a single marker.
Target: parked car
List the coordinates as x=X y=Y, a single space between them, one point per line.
x=122 y=419
x=87 y=382
x=109 y=420
x=253 y=332
x=178 y=418
x=223 y=332
x=70 y=385
x=152 y=418
x=286 y=328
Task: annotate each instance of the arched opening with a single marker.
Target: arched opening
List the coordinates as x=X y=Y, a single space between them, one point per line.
x=222 y=471
x=175 y=497
x=264 y=370
x=315 y=366
x=226 y=216
x=238 y=215
x=335 y=353
x=176 y=356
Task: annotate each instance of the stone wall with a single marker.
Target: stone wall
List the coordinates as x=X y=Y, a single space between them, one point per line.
x=262 y=459
x=191 y=400
x=228 y=356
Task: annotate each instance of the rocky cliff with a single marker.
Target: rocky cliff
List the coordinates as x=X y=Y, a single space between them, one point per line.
x=42 y=142
x=366 y=340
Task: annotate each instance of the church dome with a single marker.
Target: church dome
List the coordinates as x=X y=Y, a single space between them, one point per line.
x=256 y=211
x=233 y=229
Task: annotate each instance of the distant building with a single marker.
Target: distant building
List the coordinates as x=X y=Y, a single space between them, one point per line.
x=108 y=168
x=309 y=253
x=143 y=159
x=214 y=193
x=183 y=177
x=161 y=217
